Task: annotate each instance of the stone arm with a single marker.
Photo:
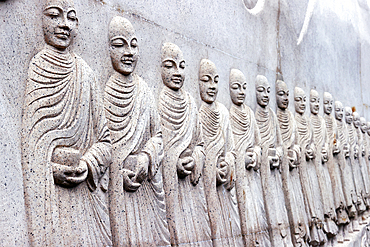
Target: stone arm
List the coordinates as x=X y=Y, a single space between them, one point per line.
x=98 y=156
x=295 y=145
x=257 y=144
x=279 y=140
x=230 y=155
x=154 y=146
x=198 y=155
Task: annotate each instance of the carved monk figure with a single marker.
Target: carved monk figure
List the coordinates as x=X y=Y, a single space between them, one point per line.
x=342 y=157
x=355 y=168
x=137 y=203
x=272 y=152
x=66 y=148
x=361 y=170
x=247 y=167
x=321 y=147
x=307 y=171
x=364 y=160
x=333 y=165
x=290 y=168
x=219 y=163
x=183 y=155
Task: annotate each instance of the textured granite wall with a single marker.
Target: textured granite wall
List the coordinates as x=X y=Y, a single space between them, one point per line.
x=311 y=44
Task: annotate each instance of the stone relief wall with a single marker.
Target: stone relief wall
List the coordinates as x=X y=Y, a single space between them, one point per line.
x=97 y=152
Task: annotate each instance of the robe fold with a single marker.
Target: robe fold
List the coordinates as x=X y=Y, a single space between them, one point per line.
x=363 y=167
x=221 y=199
x=344 y=161
x=309 y=181
x=63 y=111
x=320 y=136
x=356 y=169
x=182 y=137
x=272 y=183
x=291 y=182
x=334 y=170
x=248 y=185
x=137 y=218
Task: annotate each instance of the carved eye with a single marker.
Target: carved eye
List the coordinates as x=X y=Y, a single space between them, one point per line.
x=182 y=65
x=234 y=86
x=205 y=78
x=268 y=90
x=134 y=43
x=297 y=99
x=72 y=15
x=52 y=12
x=168 y=64
x=260 y=89
x=287 y=94
x=216 y=79
x=245 y=86
x=117 y=43
x=281 y=93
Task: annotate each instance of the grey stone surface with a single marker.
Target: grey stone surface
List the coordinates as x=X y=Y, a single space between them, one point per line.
x=312 y=44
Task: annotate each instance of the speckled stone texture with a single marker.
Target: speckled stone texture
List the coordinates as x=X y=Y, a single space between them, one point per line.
x=322 y=45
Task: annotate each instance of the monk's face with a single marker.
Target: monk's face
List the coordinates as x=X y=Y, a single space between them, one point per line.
x=262 y=91
x=314 y=102
x=348 y=115
x=282 y=95
x=208 y=81
x=356 y=119
x=338 y=111
x=237 y=92
x=59 y=23
x=173 y=67
x=124 y=50
x=328 y=103
x=363 y=125
x=368 y=128
x=300 y=101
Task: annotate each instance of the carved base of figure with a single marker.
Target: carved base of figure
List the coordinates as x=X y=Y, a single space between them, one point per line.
x=330 y=228
x=346 y=232
x=356 y=224
x=317 y=235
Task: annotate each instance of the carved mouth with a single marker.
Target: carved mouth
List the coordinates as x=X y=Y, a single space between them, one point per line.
x=240 y=97
x=62 y=35
x=211 y=93
x=127 y=61
x=176 y=80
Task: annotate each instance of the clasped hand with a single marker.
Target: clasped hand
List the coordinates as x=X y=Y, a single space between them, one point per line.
x=250 y=159
x=132 y=179
x=68 y=176
x=222 y=172
x=185 y=166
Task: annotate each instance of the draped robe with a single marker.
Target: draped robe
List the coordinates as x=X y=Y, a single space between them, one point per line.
x=291 y=183
x=363 y=166
x=348 y=185
x=320 y=139
x=221 y=199
x=248 y=181
x=182 y=137
x=309 y=181
x=272 y=183
x=62 y=110
x=356 y=169
x=334 y=170
x=137 y=218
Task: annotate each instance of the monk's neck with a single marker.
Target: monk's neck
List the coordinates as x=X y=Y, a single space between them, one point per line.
x=262 y=109
x=53 y=49
x=212 y=106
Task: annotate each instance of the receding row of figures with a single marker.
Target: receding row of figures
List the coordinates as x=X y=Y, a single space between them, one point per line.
x=120 y=171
